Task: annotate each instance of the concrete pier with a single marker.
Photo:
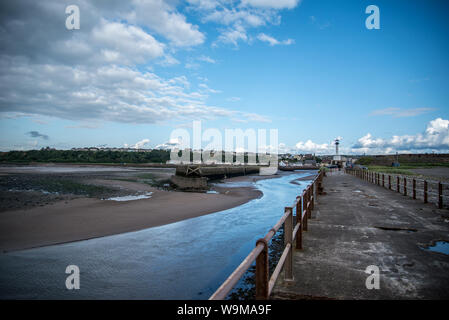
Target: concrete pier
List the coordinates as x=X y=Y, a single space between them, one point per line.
x=357 y=224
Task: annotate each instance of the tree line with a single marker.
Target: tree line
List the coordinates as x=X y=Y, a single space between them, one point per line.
x=101 y=156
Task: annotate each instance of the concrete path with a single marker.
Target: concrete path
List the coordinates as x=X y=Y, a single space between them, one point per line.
x=350 y=231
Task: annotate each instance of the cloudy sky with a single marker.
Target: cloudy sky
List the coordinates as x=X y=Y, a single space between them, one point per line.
x=136 y=70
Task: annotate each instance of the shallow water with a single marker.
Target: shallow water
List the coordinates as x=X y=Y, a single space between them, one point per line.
x=131 y=198
x=440 y=246
x=183 y=260
x=239 y=184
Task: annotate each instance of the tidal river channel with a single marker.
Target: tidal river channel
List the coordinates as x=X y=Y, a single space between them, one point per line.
x=183 y=260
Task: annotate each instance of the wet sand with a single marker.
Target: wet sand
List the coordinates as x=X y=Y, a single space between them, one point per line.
x=86 y=218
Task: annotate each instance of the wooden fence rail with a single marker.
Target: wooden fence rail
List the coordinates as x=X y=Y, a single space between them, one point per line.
x=406 y=186
x=303 y=206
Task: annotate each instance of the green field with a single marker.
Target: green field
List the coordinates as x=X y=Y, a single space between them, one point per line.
x=406 y=167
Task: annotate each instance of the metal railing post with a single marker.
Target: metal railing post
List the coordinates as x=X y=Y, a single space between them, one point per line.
x=405 y=186
x=440 y=195
x=304 y=208
x=425 y=191
x=414 y=188
x=383 y=180
x=288 y=239
x=300 y=221
x=309 y=203
x=397 y=183
x=262 y=272
x=389 y=182
x=312 y=196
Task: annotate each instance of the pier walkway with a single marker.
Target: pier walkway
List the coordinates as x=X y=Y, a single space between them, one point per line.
x=357 y=224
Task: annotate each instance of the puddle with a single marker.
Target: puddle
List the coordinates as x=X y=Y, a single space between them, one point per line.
x=396 y=229
x=358 y=191
x=439 y=246
x=32 y=190
x=239 y=184
x=212 y=192
x=131 y=198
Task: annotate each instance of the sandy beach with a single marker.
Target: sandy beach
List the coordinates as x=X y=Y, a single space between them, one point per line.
x=83 y=218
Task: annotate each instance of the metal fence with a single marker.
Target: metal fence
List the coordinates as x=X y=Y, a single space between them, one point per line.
x=302 y=206
x=429 y=191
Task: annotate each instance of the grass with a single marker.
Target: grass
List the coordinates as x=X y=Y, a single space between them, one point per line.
x=405 y=168
x=153 y=180
x=392 y=170
x=146 y=176
x=64 y=186
x=73 y=187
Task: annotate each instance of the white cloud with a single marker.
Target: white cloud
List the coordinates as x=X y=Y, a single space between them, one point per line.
x=163 y=18
x=171 y=144
x=312 y=147
x=111 y=93
x=98 y=73
x=125 y=44
x=168 y=61
x=192 y=63
x=233 y=36
x=239 y=17
x=257 y=117
x=436 y=137
x=205 y=88
x=272 y=41
x=140 y=144
x=401 y=113
x=230 y=16
x=206 y=59
x=320 y=25
x=273 y=4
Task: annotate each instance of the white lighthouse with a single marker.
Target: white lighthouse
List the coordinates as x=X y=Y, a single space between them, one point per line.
x=337 y=156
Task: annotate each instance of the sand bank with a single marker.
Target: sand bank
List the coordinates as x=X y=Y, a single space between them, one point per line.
x=86 y=218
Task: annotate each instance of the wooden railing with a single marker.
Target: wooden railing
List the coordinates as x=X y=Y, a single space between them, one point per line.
x=426 y=190
x=303 y=206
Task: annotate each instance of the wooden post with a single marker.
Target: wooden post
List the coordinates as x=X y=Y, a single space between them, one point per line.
x=397 y=183
x=301 y=224
x=312 y=196
x=414 y=189
x=303 y=207
x=405 y=186
x=440 y=195
x=425 y=191
x=262 y=272
x=309 y=204
x=383 y=180
x=288 y=239
x=389 y=182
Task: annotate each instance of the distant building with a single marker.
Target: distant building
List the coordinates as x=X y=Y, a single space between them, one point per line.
x=310 y=163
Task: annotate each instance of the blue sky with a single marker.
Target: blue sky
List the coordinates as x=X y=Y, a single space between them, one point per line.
x=135 y=71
